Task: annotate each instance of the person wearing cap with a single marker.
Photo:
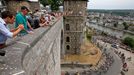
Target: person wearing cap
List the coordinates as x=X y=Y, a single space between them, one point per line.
x=22 y=20
x=7 y=18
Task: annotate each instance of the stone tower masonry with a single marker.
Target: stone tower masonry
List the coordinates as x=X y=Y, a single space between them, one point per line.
x=74 y=22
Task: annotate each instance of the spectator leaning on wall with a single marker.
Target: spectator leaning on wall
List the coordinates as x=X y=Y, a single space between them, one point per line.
x=7 y=18
x=21 y=20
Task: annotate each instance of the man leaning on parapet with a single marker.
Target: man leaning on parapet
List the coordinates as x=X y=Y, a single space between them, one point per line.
x=7 y=18
x=21 y=20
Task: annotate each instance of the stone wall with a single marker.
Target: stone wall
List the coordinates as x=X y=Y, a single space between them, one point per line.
x=44 y=57
x=14 y=6
x=34 y=6
x=77 y=7
x=36 y=54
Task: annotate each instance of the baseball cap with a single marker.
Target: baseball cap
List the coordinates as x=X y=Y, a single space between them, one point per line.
x=24 y=7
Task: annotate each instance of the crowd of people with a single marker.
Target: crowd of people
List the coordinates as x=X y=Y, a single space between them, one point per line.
x=108 y=39
x=102 y=67
x=24 y=23
x=124 y=63
x=107 y=64
x=113 y=40
x=119 y=53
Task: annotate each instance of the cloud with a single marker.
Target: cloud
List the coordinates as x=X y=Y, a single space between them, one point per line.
x=111 y=4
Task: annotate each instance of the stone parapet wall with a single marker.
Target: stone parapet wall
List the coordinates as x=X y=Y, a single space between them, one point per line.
x=44 y=57
x=35 y=54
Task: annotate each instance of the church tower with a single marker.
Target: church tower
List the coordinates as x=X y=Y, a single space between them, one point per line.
x=74 y=21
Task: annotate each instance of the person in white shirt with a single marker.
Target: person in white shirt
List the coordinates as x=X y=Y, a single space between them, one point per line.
x=7 y=18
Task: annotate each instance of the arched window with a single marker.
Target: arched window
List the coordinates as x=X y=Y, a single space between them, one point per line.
x=68 y=47
x=67 y=39
x=67 y=27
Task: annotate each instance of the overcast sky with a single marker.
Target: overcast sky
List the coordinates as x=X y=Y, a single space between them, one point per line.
x=111 y=4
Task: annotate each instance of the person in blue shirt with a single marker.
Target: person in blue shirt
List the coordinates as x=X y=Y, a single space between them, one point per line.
x=7 y=18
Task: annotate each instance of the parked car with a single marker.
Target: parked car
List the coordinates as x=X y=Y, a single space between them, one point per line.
x=115 y=46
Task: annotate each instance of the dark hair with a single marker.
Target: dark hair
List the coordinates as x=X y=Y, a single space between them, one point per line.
x=24 y=7
x=6 y=14
x=36 y=10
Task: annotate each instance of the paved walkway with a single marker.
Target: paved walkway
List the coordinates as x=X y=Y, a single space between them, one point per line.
x=130 y=63
x=115 y=68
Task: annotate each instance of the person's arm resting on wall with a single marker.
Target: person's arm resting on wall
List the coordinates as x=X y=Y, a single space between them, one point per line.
x=29 y=25
x=20 y=27
x=9 y=34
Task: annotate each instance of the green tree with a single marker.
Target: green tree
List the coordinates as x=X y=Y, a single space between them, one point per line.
x=125 y=25
x=44 y=2
x=115 y=24
x=54 y=4
x=129 y=42
x=88 y=35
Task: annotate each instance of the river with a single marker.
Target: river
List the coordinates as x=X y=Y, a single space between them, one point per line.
x=111 y=31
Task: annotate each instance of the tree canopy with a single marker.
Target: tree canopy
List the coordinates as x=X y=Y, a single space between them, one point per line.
x=126 y=26
x=129 y=41
x=54 y=3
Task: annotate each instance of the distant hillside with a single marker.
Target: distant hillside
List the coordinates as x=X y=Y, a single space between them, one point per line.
x=115 y=12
